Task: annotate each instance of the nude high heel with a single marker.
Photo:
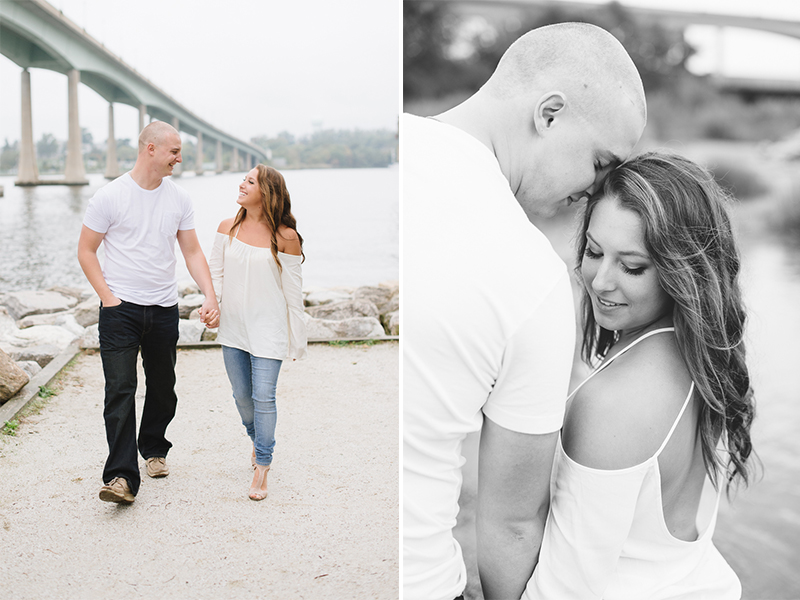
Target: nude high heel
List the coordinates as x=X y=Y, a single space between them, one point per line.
x=258 y=489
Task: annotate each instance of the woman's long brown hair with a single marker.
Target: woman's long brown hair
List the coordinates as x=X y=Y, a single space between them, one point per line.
x=687 y=233
x=276 y=205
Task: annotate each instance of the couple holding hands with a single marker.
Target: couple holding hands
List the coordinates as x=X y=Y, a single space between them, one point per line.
x=253 y=293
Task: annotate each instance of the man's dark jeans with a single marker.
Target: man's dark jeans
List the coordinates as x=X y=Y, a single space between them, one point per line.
x=124 y=329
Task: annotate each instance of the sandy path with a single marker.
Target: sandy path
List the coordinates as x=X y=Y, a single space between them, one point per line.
x=329 y=528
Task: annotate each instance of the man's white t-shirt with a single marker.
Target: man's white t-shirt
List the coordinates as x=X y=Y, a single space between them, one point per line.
x=140 y=228
x=488 y=329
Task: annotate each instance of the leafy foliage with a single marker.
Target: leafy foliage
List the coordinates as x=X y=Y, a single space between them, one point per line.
x=332 y=148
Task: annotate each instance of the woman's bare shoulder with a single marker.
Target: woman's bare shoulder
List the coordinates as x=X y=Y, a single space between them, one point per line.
x=287 y=233
x=622 y=415
x=288 y=241
x=225 y=226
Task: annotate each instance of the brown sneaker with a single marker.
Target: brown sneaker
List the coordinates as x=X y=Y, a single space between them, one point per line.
x=117 y=490
x=157 y=466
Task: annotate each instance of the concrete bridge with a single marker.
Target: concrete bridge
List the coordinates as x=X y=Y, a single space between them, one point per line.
x=671 y=18
x=34 y=34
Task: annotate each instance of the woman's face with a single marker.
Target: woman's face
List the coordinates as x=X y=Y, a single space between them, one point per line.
x=619 y=275
x=249 y=192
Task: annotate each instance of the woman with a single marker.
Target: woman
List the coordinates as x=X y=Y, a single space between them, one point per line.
x=667 y=413
x=255 y=266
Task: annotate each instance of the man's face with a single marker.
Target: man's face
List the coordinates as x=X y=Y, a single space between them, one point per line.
x=167 y=153
x=571 y=160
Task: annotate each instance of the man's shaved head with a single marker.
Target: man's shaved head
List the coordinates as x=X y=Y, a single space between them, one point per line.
x=586 y=63
x=155 y=133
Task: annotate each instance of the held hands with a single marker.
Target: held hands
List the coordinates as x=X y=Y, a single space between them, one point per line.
x=209 y=313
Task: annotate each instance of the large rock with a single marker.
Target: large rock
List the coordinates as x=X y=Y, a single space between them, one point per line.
x=191 y=331
x=70 y=292
x=33 y=320
x=348 y=309
x=12 y=378
x=189 y=303
x=30 y=367
x=391 y=322
x=317 y=297
x=88 y=312
x=48 y=335
x=39 y=354
x=187 y=288
x=7 y=324
x=22 y=304
x=91 y=337
x=357 y=327
x=379 y=296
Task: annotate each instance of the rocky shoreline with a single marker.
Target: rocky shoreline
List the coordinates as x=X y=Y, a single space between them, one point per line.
x=36 y=326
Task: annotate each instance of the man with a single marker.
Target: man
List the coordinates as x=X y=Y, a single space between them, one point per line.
x=488 y=330
x=138 y=217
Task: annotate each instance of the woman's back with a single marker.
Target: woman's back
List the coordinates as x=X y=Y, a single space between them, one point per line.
x=622 y=415
x=633 y=510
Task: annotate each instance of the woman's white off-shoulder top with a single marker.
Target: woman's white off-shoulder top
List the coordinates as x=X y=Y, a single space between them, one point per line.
x=261 y=308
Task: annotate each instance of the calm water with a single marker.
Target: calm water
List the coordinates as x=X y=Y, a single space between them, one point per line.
x=348 y=218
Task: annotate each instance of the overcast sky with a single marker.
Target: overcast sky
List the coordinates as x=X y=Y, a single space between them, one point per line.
x=249 y=67
x=254 y=67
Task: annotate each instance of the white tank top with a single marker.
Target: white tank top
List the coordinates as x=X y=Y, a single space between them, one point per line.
x=606 y=536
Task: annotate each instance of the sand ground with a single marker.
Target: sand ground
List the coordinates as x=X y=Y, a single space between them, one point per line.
x=328 y=529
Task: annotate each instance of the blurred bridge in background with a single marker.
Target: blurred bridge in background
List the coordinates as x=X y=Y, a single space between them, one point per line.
x=680 y=19
x=34 y=34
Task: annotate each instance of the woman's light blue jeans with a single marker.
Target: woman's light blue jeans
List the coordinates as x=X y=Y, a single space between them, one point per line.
x=254 y=380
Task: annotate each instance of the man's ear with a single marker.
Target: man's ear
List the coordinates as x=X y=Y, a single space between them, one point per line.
x=549 y=109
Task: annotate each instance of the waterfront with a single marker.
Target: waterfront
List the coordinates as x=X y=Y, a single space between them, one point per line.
x=348 y=218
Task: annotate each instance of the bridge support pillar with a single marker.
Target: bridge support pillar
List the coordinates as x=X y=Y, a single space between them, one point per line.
x=74 y=172
x=27 y=171
x=176 y=172
x=235 y=160
x=198 y=167
x=248 y=162
x=112 y=166
x=219 y=156
x=142 y=113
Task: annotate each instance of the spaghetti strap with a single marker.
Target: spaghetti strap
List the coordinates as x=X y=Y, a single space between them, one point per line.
x=623 y=351
x=677 y=420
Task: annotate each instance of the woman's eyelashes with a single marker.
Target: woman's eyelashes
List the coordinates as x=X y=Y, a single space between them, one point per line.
x=592 y=255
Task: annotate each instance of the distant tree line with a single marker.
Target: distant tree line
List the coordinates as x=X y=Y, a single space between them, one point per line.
x=447 y=55
x=331 y=148
x=342 y=149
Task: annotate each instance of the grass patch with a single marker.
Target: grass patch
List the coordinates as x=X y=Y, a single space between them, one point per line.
x=38 y=402
x=10 y=427
x=46 y=392
x=340 y=343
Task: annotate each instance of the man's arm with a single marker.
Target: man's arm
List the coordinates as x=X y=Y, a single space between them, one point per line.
x=513 y=500
x=198 y=269
x=88 y=244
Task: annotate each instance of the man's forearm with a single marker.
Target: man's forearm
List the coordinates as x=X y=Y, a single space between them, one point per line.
x=198 y=269
x=507 y=556
x=94 y=274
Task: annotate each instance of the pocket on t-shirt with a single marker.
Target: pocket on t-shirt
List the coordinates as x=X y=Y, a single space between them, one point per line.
x=170 y=222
